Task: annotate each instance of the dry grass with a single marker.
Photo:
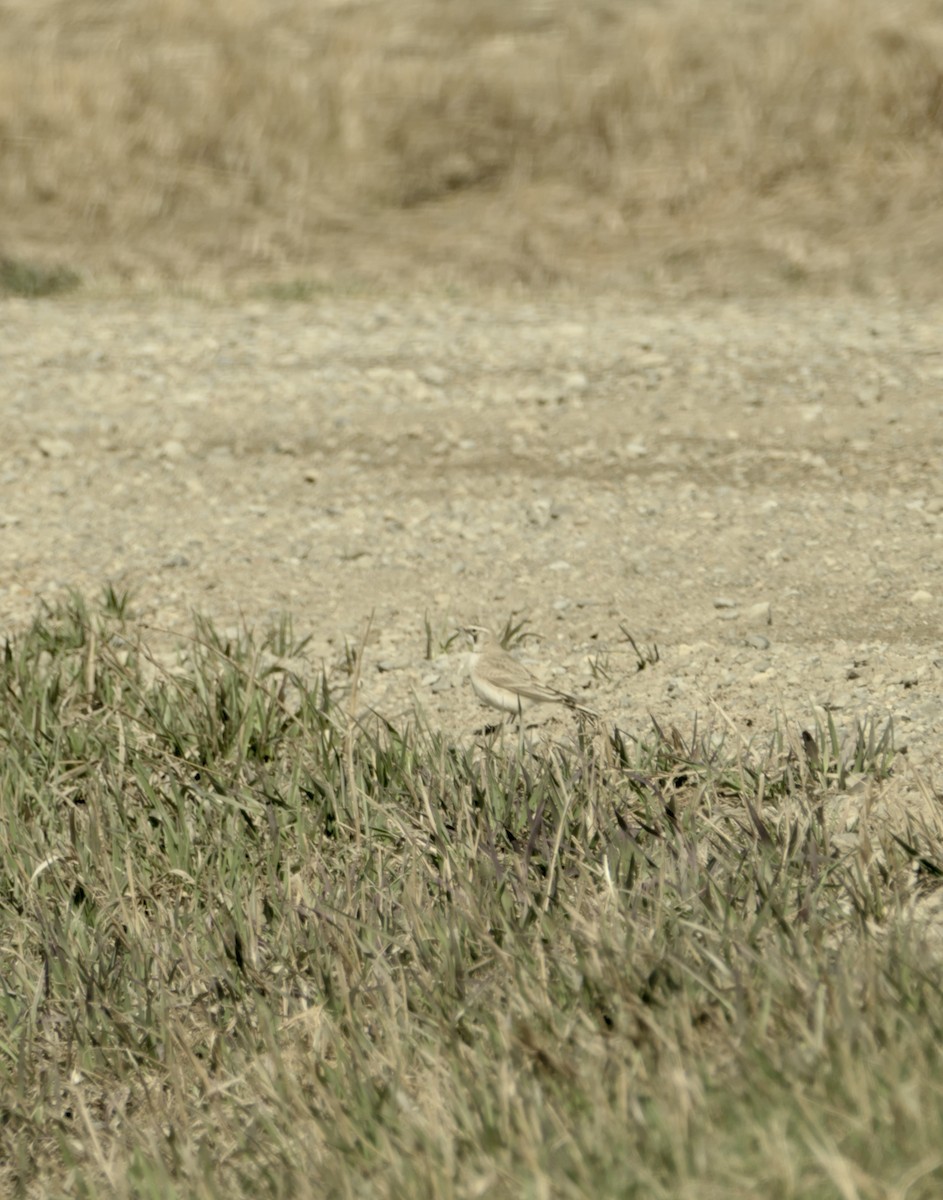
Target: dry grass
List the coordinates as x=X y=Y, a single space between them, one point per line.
x=730 y=143
x=250 y=948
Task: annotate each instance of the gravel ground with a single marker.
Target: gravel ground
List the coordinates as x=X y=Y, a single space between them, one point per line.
x=757 y=490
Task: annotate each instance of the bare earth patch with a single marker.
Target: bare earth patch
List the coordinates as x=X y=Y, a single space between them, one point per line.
x=755 y=489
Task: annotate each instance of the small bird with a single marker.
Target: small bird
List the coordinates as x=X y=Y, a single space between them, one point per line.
x=503 y=682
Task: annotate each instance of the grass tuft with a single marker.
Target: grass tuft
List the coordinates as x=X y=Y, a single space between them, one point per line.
x=19 y=278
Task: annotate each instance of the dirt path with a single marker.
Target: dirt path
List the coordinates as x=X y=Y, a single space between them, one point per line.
x=591 y=461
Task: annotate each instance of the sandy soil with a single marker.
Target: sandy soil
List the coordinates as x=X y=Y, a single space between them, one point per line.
x=755 y=489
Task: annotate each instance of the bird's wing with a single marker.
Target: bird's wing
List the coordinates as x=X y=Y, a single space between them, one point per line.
x=504 y=671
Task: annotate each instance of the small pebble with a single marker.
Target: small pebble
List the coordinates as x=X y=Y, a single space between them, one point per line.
x=759 y=614
x=55 y=447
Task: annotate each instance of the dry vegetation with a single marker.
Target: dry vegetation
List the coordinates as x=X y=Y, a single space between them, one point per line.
x=732 y=144
x=251 y=947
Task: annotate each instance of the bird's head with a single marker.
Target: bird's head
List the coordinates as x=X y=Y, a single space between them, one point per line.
x=478 y=635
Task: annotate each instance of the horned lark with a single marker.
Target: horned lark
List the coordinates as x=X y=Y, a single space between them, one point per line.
x=503 y=682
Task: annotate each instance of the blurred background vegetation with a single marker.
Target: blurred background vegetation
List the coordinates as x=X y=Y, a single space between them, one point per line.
x=731 y=145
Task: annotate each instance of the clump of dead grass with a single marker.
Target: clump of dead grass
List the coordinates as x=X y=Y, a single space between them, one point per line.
x=262 y=137
x=250 y=945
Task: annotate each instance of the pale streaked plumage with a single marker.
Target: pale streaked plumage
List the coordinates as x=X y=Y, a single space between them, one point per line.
x=501 y=681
